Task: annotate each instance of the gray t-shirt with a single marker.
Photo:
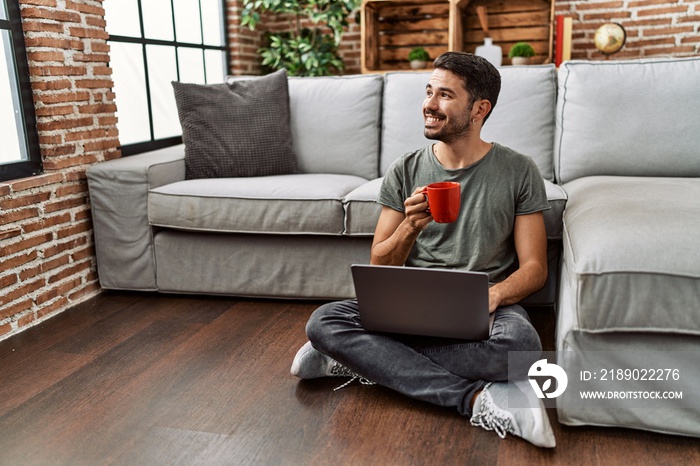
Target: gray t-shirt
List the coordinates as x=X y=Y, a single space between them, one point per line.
x=495 y=189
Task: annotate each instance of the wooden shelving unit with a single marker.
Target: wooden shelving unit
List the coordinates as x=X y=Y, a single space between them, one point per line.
x=512 y=21
x=390 y=29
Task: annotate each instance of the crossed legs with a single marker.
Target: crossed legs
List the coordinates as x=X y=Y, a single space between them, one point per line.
x=441 y=371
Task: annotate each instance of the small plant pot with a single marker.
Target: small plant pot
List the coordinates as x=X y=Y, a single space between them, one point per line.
x=418 y=64
x=520 y=61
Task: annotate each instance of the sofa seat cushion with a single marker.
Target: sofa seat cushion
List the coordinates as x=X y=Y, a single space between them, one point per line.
x=632 y=253
x=362 y=210
x=556 y=196
x=284 y=204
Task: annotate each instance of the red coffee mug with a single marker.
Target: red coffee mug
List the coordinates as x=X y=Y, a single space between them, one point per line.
x=444 y=200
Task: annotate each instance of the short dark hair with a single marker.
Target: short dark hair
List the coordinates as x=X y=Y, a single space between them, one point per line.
x=481 y=79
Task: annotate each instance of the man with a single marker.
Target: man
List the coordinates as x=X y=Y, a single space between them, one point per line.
x=500 y=231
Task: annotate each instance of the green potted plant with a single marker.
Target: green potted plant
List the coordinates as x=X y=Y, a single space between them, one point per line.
x=418 y=57
x=307 y=50
x=520 y=53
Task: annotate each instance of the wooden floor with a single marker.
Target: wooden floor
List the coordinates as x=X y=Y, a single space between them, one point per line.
x=141 y=379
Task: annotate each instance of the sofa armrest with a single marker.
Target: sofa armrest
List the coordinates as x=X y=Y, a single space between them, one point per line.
x=119 y=203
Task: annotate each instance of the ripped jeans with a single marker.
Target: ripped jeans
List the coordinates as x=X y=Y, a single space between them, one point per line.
x=441 y=371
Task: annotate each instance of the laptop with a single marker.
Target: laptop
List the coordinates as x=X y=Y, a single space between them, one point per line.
x=420 y=301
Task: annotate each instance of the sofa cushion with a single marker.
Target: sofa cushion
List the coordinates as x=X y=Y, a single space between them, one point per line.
x=632 y=253
x=236 y=129
x=402 y=116
x=523 y=118
x=284 y=204
x=335 y=124
x=362 y=210
x=613 y=118
x=556 y=197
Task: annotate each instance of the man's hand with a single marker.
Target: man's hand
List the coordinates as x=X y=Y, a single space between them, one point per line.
x=417 y=213
x=494 y=300
x=397 y=231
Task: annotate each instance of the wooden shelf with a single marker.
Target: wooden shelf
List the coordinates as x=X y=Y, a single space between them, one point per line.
x=390 y=29
x=512 y=21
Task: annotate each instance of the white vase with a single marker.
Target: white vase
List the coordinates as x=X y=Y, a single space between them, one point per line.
x=493 y=53
x=418 y=64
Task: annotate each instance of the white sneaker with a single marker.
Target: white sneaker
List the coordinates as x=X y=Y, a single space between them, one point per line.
x=309 y=363
x=513 y=408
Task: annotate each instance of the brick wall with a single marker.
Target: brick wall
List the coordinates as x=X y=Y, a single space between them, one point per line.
x=351 y=47
x=48 y=259
x=243 y=43
x=654 y=27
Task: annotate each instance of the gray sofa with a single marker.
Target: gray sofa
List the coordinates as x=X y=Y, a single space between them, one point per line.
x=621 y=137
x=627 y=153
x=295 y=236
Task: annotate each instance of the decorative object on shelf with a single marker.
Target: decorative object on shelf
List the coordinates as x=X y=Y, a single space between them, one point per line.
x=493 y=53
x=419 y=58
x=302 y=51
x=610 y=38
x=564 y=39
x=520 y=53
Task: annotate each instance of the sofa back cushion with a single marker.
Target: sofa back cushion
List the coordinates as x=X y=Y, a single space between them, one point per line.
x=335 y=124
x=402 y=118
x=523 y=118
x=631 y=118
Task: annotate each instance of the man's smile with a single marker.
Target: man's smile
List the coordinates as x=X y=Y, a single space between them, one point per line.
x=432 y=118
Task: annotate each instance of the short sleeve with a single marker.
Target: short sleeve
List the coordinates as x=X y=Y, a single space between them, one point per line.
x=392 y=194
x=532 y=195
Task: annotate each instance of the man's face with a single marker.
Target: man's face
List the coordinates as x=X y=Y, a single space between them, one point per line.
x=446 y=108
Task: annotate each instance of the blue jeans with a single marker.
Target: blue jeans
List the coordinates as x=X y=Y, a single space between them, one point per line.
x=441 y=371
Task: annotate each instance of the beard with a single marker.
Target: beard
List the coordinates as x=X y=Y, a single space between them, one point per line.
x=450 y=130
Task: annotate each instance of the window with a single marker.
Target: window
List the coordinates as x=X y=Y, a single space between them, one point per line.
x=19 y=147
x=154 y=42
